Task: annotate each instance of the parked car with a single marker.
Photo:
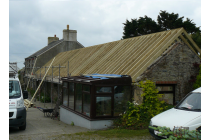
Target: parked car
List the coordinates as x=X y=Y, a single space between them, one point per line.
x=187 y=113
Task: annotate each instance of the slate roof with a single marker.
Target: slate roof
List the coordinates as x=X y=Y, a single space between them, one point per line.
x=124 y=57
x=49 y=46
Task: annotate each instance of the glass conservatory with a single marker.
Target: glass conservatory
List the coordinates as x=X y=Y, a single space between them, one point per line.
x=95 y=97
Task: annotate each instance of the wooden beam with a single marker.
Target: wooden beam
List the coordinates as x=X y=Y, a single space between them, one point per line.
x=195 y=45
x=39 y=85
x=185 y=41
x=157 y=51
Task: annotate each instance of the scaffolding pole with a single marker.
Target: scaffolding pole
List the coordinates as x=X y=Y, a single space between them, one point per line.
x=39 y=85
x=31 y=74
x=45 y=87
x=58 y=82
x=51 y=87
x=68 y=68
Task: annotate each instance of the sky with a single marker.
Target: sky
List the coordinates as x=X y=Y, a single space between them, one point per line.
x=96 y=21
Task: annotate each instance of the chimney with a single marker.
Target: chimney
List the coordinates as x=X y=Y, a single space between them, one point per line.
x=51 y=39
x=69 y=35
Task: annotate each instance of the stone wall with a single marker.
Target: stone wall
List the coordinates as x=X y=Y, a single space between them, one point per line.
x=137 y=94
x=176 y=64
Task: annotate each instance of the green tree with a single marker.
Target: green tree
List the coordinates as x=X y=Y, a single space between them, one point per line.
x=142 y=26
x=197 y=38
x=165 y=21
x=169 y=21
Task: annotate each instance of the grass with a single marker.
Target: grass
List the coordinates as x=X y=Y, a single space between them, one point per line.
x=119 y=133
x=111 y=133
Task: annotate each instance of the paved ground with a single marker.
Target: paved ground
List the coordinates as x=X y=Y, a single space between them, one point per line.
x=41 y=128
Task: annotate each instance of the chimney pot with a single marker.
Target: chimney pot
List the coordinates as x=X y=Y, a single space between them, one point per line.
x=67 y=27
x=55 y=36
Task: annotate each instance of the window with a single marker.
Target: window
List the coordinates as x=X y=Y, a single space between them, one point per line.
x=65 y=84
x=14 y=89
x=86 y=88
x=191 y=102
x=103 y=106
x=103 y=90
x=165 y=88
x=71 y=95
x=86 y=104
x=121 y=97
x=65 y=97
x=167 y=92
x=78 y=97
x=167 y=97
x=65 y=94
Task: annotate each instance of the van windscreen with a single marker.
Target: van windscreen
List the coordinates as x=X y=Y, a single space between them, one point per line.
x=14 y=89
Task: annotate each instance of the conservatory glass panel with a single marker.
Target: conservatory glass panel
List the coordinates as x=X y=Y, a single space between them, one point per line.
x=65 y=84
x=121 y=97
x=78 y=100
x=104 y=90
x=86 y=104
x=86 y=88
x=71 y=95
x=65 y=97
x=103 y=106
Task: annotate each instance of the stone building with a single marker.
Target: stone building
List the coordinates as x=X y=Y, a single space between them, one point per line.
x=169 y=58
x=54 y=46
x=172 y=72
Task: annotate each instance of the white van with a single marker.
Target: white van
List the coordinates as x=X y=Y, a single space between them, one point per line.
x=17 y=110
x=187 y=113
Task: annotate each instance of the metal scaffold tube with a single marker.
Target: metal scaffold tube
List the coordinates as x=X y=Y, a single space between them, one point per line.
x=31 y=74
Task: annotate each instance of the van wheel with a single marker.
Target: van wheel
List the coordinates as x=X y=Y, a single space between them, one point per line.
x=23 y=127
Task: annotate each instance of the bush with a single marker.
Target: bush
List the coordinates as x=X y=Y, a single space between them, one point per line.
x=138 y=116
x=45 y=98
x=151 y=104
x=132 y=118
x=178 y=134
x=197 y=83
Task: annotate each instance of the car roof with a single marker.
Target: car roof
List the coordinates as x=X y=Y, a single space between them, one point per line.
x=197 y=90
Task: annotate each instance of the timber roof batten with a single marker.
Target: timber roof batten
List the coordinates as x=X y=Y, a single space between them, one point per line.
x=129 y=56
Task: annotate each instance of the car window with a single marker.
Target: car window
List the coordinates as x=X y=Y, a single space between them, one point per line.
x=191 y=102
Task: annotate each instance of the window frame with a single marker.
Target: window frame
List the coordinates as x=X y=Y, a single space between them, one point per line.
x=168 y=92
